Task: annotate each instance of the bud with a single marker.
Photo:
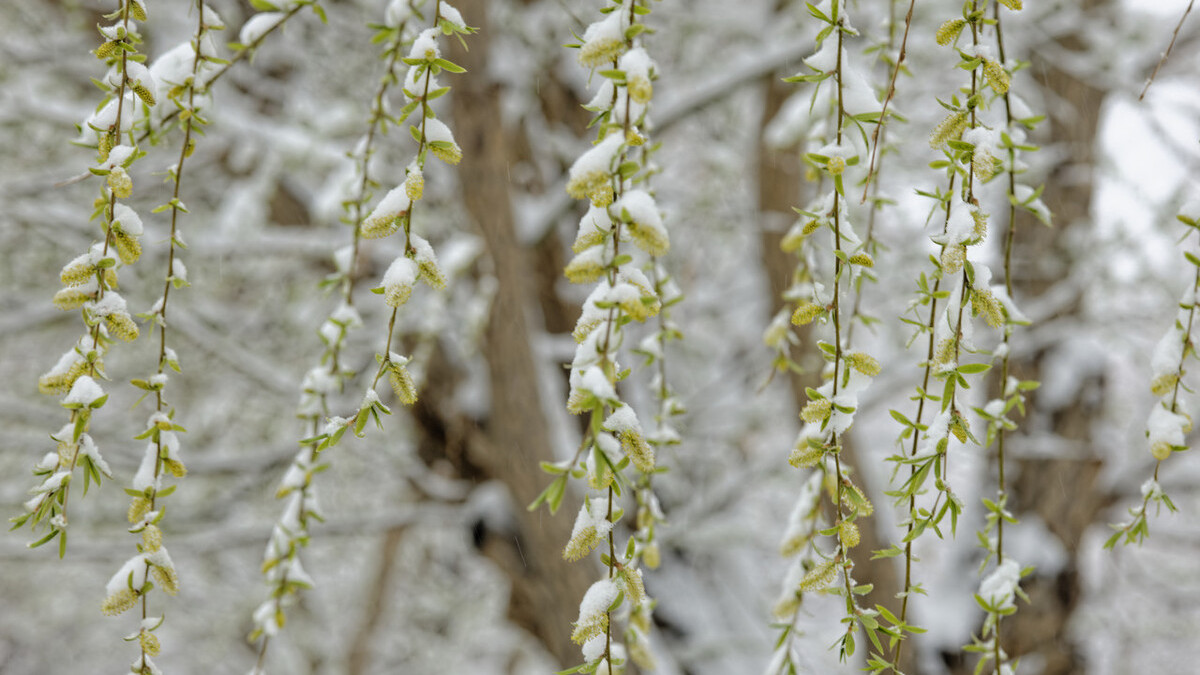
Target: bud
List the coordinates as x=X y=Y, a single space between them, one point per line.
x=1161 y=385
x=836 y=166
x=138 y=508
x=949 y=31
x=121 y=325
x=862 y=260
x=984 y=302
x=848 y=534
x=402 y=383
x=637 y=450
x=167 y=578
x=651 y=556
x=129 y=249
x=806 y=312
x=996 y=76
x=953 y=258
x=414 y=184
x=640 y=89
x=120 y=183
x=816 y=411
x=73 y=297
x=819 y=577
x=863 y=363
x=600 y=51
x=149 y=642
x=119 y=602
x=804 y=455
x=143 y=92
x=585 y=267
x=948 y=129
x=151 y=539
x=1161 y=450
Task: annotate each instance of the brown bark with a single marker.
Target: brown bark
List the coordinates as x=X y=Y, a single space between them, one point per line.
x=509 y=444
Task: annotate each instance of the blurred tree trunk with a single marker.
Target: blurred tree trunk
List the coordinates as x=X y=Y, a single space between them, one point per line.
x=514 y=438
x=1061 y=491
x=780 y=188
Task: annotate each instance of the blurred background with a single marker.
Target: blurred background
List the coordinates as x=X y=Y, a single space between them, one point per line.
x=428 y=561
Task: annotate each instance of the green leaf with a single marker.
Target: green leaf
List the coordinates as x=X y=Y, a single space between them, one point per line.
x=449 y=66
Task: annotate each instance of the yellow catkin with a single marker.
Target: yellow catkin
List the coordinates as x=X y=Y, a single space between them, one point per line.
x=984 y=302
x=817 y=410
x=591 y=185
x=862 y=260
x=448 y=152
x=121 y=325
x=805 y=456
x=948 y=129
x=414 y=185
x=638 y=451
x=129 y=249
x=119 y=602
x=167 y=579
x=819 y=577
x=428 y=271
x=863 y=363
x=175 y=467
x=600 y=52
x=651 y=556
x=149 y=643
x=640 y=90
x=948 y=32
x=652 y=240
x=402 y=384
x=583 y=270
x=1163 y=384
x=72 y=298
x=138 y=508
x=996 y=76
x=584 y=542
x=151 y=539
x=805 y=313
x=120 y=183
x=848 y=534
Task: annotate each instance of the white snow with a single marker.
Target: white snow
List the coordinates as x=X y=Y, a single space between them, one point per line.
x=598 y=159
x=451 y=15
x=132 y=574
x=258 y=26
x=128 y=220
x=395 y=203
x=1000 y=587
x=402 y=273
x=84 y=392
x=1164 y=426
x=425 y=47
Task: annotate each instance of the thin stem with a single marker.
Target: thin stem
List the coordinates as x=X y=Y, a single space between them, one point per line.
x=891 y=92
x=1161 y=61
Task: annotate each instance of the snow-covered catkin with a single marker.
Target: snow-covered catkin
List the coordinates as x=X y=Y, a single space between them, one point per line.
x=163 y=454
x=90 y=279
x=1170 y=418
x=405 y=46
x=988 y=159
x=825 y=304
x=620 y=239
